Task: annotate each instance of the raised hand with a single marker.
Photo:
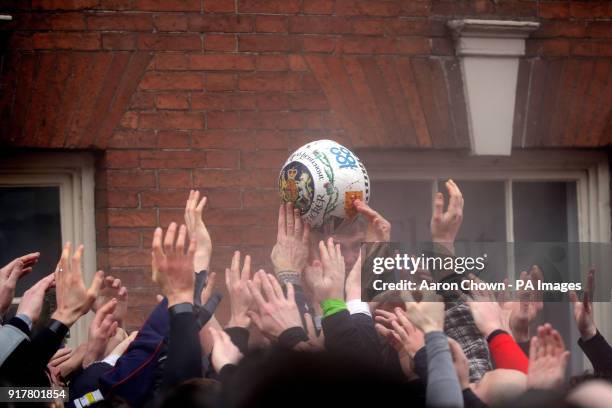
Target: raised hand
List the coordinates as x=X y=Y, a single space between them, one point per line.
x=224 y=350
x=316 y=342
x=327 y=281
x=583 y=311
x=521 y=313
x=239 y=294
x=101 y=329
x=275 y=312
x=488 y=314
x=352 y=286
x=445 y=225
x=72 y=297
x=32 y=300
x=172 y=267
x=10 y=274
x=197 y=229
x=112 y=288
x=290 y=253
x=548 y=359
x=427 y=315
x=379 y=229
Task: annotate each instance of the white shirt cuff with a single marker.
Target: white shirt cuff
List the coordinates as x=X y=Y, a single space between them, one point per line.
x=357 y=306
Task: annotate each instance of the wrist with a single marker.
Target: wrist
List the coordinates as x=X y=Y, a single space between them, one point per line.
x=588 y=334
x=66 y=317
x=176 y=298
x=239 y=321
x=487 y=331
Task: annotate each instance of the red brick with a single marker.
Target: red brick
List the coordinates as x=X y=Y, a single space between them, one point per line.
x=222 y=178
x=223 y=139
x=590 y=10
x=129 y=120
x=600 y=29
x=59 y=22
x=297 y=63
x=271 y=120
x=156 y=159
x=220 y=42
x=170 y=42
x=170 y=120
x=171 y=61
x=267 y=43
x=130 y=179
x=121 y=198
x=319 y=44
x=222 y=159
x=210 y=101
x=384 y=8
x=271 y=24
x=318 y=6
x=561 y=29
x=121 y=159
x=142 y=101
x=120 y=22
x=264 y=159
x=259 y=235
x=219 y=6
x=319 y=25
x=269 y=6
x=221 y=23
x=220 y=82
x=132 y=139
x=553 y=9
x=63 y=4
x=308 y=101
x=269 y=81
x=592 y=48
x=221 y=62
x=119 y=41
x=171 y=81
x=554 y=47
x=66 y=41
x=272 y=63
x=175 y=179
x=173 y=139
x=123 y=237
x=166 y=198
x=168 y=216
x=273 y=101
x=260 y=198
x=131 y=218
x=121 y=257
x=222 y=120
x=172 y=101
x=170 y=22
x=166 y=5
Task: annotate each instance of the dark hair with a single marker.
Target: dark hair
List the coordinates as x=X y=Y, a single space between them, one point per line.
x=194 y=393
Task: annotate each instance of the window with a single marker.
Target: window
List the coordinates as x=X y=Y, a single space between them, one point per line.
x=46 y=200
x=543 y=196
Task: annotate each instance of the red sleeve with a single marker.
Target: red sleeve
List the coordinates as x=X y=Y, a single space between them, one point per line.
x=507 y=353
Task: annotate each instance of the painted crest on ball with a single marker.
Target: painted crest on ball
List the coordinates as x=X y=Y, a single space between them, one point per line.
x=322 y=179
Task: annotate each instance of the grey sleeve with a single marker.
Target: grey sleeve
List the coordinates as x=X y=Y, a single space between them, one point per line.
x=443 y=390
x=10 y=338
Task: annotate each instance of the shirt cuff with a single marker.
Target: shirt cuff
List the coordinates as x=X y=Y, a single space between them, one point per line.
x=332 y=306
x=111 y=359
x=26 y=319
x=357 y=306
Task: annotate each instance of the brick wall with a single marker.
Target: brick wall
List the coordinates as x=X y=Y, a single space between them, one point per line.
x=213 y=94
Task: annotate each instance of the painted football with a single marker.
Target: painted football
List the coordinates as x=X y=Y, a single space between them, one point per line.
x=322 y=179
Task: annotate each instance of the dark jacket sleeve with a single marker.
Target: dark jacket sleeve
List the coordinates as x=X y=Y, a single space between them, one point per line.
x=372 y=348
x=240 y=337
x=471 y=400
x=341 y=334
x=27 y=364
x=598 y=352
x=184 y=359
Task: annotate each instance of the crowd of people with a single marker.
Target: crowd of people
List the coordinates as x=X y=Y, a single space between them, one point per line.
x=298 y=335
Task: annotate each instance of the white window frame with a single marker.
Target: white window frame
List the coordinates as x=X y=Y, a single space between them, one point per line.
x=589 y=169
x=73 y=173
